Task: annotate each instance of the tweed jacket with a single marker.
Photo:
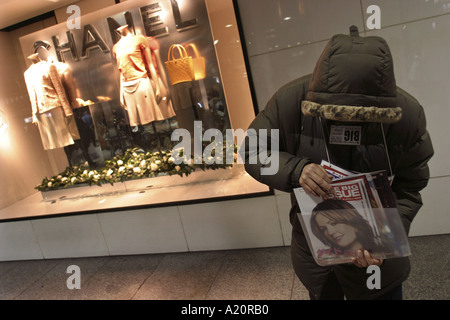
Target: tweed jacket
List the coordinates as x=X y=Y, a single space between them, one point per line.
x=45 y=89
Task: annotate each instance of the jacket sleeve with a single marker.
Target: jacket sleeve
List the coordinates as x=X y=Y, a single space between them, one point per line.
x=32 y=95
x=265 y=151
x=412 y=173
x=59 y=89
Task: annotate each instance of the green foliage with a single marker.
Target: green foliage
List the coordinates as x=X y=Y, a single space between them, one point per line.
x=133 y=164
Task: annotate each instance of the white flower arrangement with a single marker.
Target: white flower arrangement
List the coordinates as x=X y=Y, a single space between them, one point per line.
x=133 y=164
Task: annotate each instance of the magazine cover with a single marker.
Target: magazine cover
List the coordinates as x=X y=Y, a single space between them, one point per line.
x=351 y=217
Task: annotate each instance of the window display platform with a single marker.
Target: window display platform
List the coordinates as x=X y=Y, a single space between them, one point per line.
x=199 y=186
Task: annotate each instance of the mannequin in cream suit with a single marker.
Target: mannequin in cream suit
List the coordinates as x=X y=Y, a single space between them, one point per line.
x=51 y=109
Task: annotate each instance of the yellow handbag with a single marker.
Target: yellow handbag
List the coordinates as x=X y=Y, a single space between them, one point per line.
x=198 y=61
x=179 y=69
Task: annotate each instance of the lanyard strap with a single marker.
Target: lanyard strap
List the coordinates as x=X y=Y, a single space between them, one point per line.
x=325 y=140
x=386 y=148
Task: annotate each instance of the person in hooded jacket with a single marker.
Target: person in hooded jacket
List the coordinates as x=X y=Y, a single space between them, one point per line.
x=352 y=89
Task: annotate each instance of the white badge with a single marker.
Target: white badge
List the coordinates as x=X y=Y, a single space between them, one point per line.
x=347 y=135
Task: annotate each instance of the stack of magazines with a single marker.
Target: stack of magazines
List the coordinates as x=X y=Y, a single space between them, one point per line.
x=360 y=212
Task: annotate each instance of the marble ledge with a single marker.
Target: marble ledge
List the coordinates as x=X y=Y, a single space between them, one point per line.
x=35 y=206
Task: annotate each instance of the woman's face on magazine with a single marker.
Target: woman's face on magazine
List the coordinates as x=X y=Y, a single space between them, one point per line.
x=341 y=234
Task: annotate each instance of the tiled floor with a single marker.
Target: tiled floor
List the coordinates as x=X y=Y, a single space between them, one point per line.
x=248 y=274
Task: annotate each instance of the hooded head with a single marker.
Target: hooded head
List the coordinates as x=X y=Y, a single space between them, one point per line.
x=354 y=81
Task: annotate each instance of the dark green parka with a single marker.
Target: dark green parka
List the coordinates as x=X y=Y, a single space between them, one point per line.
x=353 y=83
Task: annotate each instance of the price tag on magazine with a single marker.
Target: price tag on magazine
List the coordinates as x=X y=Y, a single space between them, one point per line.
x=346 y=135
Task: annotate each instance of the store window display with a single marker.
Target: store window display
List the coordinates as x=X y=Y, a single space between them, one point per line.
x=124 y=102
x=125 y=170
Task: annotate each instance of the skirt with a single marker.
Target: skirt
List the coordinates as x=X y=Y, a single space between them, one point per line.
x=141 y=105
x=57 y=130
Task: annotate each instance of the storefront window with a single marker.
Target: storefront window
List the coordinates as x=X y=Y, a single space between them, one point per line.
x=113 y=98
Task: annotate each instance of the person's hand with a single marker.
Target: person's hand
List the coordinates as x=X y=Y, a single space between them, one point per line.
x=364 y=259
x=315 y=180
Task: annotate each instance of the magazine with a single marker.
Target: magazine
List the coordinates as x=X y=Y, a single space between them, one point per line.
x=359 y=213
x=335 y=171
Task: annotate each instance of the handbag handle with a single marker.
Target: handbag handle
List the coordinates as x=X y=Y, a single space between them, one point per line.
x=194 y=48
x=181 y=51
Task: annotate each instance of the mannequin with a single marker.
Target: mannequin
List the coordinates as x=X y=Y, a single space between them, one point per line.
x=51 y=109
x=140 y=85
x=34 y=58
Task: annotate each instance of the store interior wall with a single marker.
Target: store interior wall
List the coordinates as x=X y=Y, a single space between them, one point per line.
x=22 y=158
x=284 y=39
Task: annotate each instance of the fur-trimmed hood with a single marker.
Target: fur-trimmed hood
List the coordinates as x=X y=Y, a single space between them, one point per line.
x=354 y=81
